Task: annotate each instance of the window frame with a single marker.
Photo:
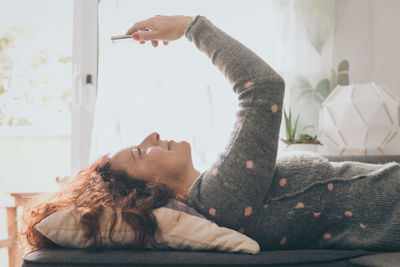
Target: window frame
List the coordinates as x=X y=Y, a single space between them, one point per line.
x=84 y=65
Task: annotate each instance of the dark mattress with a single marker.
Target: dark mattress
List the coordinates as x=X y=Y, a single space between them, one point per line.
x=71 y=257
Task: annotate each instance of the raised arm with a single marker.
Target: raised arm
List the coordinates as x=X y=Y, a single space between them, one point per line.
x=237 y=62
x=237 y=183
x=234 y=188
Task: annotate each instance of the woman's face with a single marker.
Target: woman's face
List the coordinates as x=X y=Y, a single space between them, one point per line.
x=154 y=159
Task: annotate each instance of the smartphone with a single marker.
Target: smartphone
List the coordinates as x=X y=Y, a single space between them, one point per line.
x=119 y=37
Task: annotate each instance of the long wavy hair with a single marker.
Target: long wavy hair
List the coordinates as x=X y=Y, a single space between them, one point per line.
x=93 y=189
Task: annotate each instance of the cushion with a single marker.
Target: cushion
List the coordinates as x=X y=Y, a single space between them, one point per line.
x=178 y=227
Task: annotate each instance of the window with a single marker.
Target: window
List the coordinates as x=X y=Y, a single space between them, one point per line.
x=172 y=89
x=35 y=93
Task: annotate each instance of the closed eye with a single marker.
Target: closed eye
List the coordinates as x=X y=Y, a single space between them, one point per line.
x=138 y=149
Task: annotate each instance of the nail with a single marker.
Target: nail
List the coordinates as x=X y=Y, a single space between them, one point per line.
x=136 y=36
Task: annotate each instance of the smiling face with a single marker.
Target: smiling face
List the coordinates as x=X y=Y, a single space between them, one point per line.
x=155 y=159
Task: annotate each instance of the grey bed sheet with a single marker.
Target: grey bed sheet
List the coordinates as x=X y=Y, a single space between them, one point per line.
x=71 y=257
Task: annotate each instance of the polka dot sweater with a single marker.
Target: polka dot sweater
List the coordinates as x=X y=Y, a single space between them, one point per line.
x=296 y=200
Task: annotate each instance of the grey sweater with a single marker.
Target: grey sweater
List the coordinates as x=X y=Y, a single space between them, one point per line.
x=296 y=201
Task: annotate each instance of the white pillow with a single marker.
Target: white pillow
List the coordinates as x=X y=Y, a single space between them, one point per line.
x=178 y=228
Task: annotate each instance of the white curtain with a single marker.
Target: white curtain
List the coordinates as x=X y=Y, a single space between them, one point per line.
x=176 y=91
x=307 y=39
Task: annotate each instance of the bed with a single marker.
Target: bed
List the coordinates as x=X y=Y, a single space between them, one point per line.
x=80 y=257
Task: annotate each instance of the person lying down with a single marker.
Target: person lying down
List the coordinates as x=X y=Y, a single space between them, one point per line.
x=297 y=201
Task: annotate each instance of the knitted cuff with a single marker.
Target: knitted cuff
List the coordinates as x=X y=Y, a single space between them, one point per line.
x=189 y=24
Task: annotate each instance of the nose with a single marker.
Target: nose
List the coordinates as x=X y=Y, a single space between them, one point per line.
x=152 y=139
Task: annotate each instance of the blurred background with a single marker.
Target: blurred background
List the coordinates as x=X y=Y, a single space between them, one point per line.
x=68 y=95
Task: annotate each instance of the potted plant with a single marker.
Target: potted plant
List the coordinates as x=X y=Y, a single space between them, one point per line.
x=301 y=142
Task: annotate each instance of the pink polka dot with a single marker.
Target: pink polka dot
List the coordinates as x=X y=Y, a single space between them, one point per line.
x=282 y=182
x=316 y=161
x=212 y=212
x=265 y=206
x=248 y=210
x=330 y=186
x=300 y=205
x=239 y=125
x=316 y=214
x=274 y=108
x=327 y=236
x=248 y=84
x=215 y=172
x=283 y=241
x=348 y=213
x=241 y=230
x=249 y=164
x=356 y=176
x=363 y=226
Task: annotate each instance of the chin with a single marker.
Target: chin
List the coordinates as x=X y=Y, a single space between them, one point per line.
x=186 y=145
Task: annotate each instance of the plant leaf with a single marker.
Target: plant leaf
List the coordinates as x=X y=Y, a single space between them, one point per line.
x=322 y=90
x=295 y=128
x=301 y=83
x=287 y=124
x=318 y=18
x=292 y=129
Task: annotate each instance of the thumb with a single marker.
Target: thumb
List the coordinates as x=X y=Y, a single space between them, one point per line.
x=144 y=36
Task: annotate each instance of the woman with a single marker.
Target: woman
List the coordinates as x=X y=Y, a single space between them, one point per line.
x=299 y=201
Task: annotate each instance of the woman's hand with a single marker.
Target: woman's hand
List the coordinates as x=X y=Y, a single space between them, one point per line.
x=159 y=28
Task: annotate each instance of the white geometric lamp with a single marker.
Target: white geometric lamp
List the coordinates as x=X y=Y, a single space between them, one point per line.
x=360 y=117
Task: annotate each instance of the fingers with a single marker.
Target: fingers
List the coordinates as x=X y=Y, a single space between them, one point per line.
x=154 y=43
x=141 y=25
x=146 y=35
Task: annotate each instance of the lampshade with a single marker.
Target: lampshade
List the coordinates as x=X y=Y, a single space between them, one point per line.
x=360 y=117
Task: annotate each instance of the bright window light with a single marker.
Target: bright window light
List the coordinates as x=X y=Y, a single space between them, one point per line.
x=35 y=93
x=174 y=90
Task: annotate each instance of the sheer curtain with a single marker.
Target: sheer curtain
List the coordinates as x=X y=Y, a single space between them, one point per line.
x=307 y=44
x=175 y=90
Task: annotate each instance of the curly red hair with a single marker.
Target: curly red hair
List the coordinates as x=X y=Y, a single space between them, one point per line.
x=94 y=188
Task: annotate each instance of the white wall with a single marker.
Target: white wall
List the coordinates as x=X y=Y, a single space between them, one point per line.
x=385 y=54
x=367 y=34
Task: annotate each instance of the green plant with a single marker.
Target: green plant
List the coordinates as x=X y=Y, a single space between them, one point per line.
x=342 y=77
x=307 y=99
x=307 y=139
x=291 y=131
x=290 y=128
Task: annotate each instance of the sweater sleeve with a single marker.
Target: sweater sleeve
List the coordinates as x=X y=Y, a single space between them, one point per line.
x=238 y=181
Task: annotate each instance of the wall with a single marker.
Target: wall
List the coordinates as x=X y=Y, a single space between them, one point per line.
x=368 y=35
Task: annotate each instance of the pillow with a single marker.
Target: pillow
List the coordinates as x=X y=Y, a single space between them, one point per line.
x=178 y=227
